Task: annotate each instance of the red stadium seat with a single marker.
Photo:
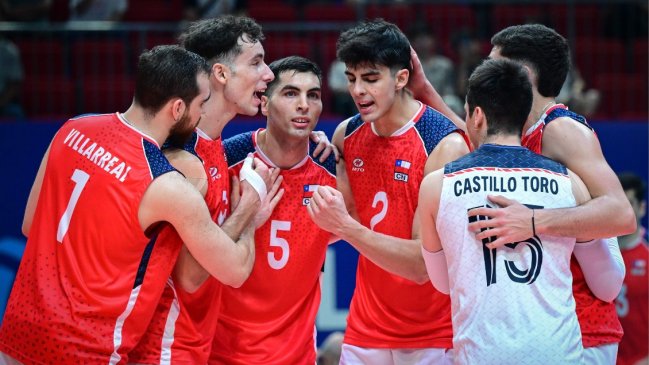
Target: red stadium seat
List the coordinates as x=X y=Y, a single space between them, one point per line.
x=400 y=14
x=624 y=96
x=99 y=57
x=47 y=97
x=329 y=12
x=42 y=56
x=107 y=94
x=272 y=12
x=154 y=11
x=279 y=45
x=595 y=55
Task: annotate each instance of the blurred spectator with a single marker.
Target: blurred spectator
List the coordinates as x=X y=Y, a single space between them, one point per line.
x=11 y=79
x=342 y=102
x=439 y=69
x=575 y=95
x=25 y=10
x=329 y=352
x=203 y=9
x=470 y=53
x=626 y=19
x=632 y=303
x=86 y=10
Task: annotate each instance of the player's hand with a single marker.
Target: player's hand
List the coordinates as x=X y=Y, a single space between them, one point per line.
x=324 y=147
x=510 y=223
x=327 y=209
x=270 y=202
x=417 y=83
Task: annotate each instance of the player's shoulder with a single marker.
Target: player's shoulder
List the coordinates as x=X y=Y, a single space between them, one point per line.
x=433 y=126
x=238 y=147
x=350 y=125
x=328 y=164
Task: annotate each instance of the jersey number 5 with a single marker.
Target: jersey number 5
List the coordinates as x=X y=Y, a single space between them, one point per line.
x=80 y=179
x=282 y=243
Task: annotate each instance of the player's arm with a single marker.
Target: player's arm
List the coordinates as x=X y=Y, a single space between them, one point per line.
x=431 y=246
x=324 y=148
x=32 y=201
x=424 y=91
x=600 y=260
x=608 y=214
x=172 y=199
x=397 y=255
x=342 y=180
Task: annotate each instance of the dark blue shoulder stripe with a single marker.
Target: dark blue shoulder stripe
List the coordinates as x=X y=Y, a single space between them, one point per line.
x=329 y=164
x=561 y=112
x=238 y=147
x=190 y=146
x=505 y=157
x=353 y=124
x=158 y=163
x=433 y=126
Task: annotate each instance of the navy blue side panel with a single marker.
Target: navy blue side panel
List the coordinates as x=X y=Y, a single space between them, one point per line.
x=329 y=164
x=190 y=146
x=158 y=163
x=238 y=147
x=560 y=112
x=432 y=127
x=144 y=262
x=353 y=124
x=489 y=155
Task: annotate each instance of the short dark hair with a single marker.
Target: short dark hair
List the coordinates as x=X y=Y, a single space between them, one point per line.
x=542 y=48
x=292 y=63
x=633 y=182
x=217 y=39
x=165 y=72
x=374 y=42
x=504 y=92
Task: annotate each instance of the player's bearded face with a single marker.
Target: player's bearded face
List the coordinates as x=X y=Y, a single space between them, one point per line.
x=182 y=130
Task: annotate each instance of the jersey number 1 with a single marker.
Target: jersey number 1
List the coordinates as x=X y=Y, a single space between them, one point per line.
x=80 y=179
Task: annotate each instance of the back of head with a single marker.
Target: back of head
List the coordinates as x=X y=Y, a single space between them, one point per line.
x=502 y=89
x=167 y=72
x=542 y=48
x=633 y=182
x=374 y=42
x=217 y=39
x=293 y=64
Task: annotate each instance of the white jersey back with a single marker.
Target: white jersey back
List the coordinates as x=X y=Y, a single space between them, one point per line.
x=511 y=305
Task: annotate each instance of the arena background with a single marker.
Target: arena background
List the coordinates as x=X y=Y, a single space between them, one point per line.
x=87 y=67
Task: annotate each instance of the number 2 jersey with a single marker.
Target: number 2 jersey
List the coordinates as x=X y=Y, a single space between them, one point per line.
x=85 y=291
x=183 y=325
x=598 y=319
x=513 y=304
x=388 y=311
x=270 y=319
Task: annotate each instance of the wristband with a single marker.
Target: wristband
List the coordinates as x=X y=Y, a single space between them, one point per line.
x=253 y=178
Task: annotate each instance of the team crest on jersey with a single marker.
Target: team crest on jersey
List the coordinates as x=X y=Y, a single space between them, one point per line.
x=357 y=165
x=214 y=173
x=401 y=170
x=307 y=193
x=638 y=267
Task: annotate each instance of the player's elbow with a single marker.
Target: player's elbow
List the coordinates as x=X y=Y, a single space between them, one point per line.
x=25 y=227
x=611 y=290
x=420 y=276
x=628 y=221
x=239 y=276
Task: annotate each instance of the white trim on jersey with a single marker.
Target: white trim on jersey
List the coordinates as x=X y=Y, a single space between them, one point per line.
x=128 y=124
x=406 y=126
x=170 y=327
x=119 y=325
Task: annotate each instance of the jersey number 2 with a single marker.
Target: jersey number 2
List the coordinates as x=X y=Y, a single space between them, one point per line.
x=80 y=179
x=380 y=197
x=278 y=242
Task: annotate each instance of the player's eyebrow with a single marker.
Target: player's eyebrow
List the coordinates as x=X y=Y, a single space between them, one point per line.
x=295 y=88
x=368 y=73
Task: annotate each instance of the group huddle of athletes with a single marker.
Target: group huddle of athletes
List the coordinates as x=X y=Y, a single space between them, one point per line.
x=151 y=240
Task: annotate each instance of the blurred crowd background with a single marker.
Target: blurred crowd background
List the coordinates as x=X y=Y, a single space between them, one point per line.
x=64 y=57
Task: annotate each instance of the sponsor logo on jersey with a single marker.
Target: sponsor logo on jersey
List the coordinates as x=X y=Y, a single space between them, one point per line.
x=638 y=267
x=401 y=169
x=214 y=173
x=357 y=165
x=307 y=193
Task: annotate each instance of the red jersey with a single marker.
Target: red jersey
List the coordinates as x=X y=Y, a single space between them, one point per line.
x=388 y=311
x=271 y=318
x=633 y=303
x=85 y=291
x=182 y=328
x=597 y=319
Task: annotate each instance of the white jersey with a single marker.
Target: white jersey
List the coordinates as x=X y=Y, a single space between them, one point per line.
x=511 y=305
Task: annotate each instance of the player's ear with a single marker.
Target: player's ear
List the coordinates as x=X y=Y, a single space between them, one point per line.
x=177 y=108
x=479 y=119
x=264 y=105
x=402 y=77
x=532 y=75
x=220 y=72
